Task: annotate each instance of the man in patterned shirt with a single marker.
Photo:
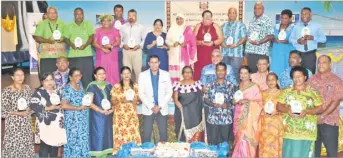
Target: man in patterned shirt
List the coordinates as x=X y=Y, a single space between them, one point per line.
x=208 y=73
x=294 y=60
x=62 y=72
x=260 y=33
x=330 y=87
x=218 y=100
x=234 y=38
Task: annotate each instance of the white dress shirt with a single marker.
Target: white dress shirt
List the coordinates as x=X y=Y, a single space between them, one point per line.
x=135 y=31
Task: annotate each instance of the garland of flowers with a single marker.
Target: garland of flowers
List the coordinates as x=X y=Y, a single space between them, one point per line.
x=333 y=58
x=103 y=16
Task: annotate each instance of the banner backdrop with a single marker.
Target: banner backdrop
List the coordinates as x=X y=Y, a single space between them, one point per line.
x=33 y=20
x=193 y=11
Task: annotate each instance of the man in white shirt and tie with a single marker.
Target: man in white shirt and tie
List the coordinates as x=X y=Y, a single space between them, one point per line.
x=155 y=91
x=132 y=39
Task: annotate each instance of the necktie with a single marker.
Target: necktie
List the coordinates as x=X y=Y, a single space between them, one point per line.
x=305 y=46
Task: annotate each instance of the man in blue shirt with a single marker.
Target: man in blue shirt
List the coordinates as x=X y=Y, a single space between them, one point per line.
x=305 y=38
x=218 y=99
x=234 y=37
x=208 y=73
x=285 y=77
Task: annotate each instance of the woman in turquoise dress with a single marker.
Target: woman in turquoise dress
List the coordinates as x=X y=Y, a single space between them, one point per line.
x=76 y=118
x=281 y=46
x=100 y=117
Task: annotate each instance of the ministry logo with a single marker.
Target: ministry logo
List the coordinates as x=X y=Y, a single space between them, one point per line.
x=203 y=6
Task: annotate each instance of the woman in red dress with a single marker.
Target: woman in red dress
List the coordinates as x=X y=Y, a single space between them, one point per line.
x=209 y=37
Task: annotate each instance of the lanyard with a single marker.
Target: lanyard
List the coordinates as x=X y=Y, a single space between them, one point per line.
x=51 y=28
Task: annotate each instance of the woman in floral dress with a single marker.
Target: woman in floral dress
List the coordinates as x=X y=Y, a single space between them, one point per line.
x=18 y=141
x=125 y=120
x=270 y=143
x=76 y=120
x=300 y=104
x=45 y=102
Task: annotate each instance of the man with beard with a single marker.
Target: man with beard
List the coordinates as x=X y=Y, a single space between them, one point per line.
x=132 y=38
x=79 y=36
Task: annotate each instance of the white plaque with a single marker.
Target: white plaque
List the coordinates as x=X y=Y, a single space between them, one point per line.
x=105 y=40
x=238 y=95
x=269 y=107
x=22 y=104
x=55 y=99
x=87 y=99
x=160 y=41
x=117 y=24
x=305 y=31
x=181 y=39
x=219 y=98
x=207 y=37
x=254 y=36
x=130 y=94
x=56 y=35
x=282 y=35
x=229 y=40
x=78 y=42
x=296 y=107
x=131 y=43
x=105 y=104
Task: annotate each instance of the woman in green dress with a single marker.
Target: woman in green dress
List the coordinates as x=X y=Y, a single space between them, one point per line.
x=300 y=104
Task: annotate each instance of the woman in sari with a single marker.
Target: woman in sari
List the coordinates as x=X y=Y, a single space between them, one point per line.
x=151 y=44
x=270 y=143
x=209 y=36
x=182 y=47
x=188 y=114
x=125 y=120
x=45 y=102
x=18 y=139
x=100 y=115
x=247 y=114
x=301 y=104
x=106 y=42
x=76 y=117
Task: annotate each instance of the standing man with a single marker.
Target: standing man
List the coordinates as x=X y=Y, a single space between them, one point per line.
x=118 y=16
x=260 y=33
x=132 y=39
x=50 y=35
x=234 y=37
x=218 y=97
x=155 y=91
x=208 y=73
x=305 y=38
x=285 y=77
x=62 y=72
x=79 y=36
x=330 y=88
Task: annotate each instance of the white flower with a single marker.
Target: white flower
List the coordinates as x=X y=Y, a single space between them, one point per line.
x=308 y=125
x=284 y=121
x=43 y=101
x=309 y=102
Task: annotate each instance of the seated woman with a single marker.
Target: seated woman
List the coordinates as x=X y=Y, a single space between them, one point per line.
x=300 y=104
x=188 y=114
x=45 y=102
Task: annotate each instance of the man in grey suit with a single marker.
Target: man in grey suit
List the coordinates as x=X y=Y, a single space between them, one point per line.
x=155 y=91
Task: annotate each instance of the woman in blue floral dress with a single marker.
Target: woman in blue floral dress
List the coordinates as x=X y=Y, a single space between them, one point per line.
x=76 y=120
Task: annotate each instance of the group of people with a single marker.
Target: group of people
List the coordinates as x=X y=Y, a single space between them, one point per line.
x=217 y=99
